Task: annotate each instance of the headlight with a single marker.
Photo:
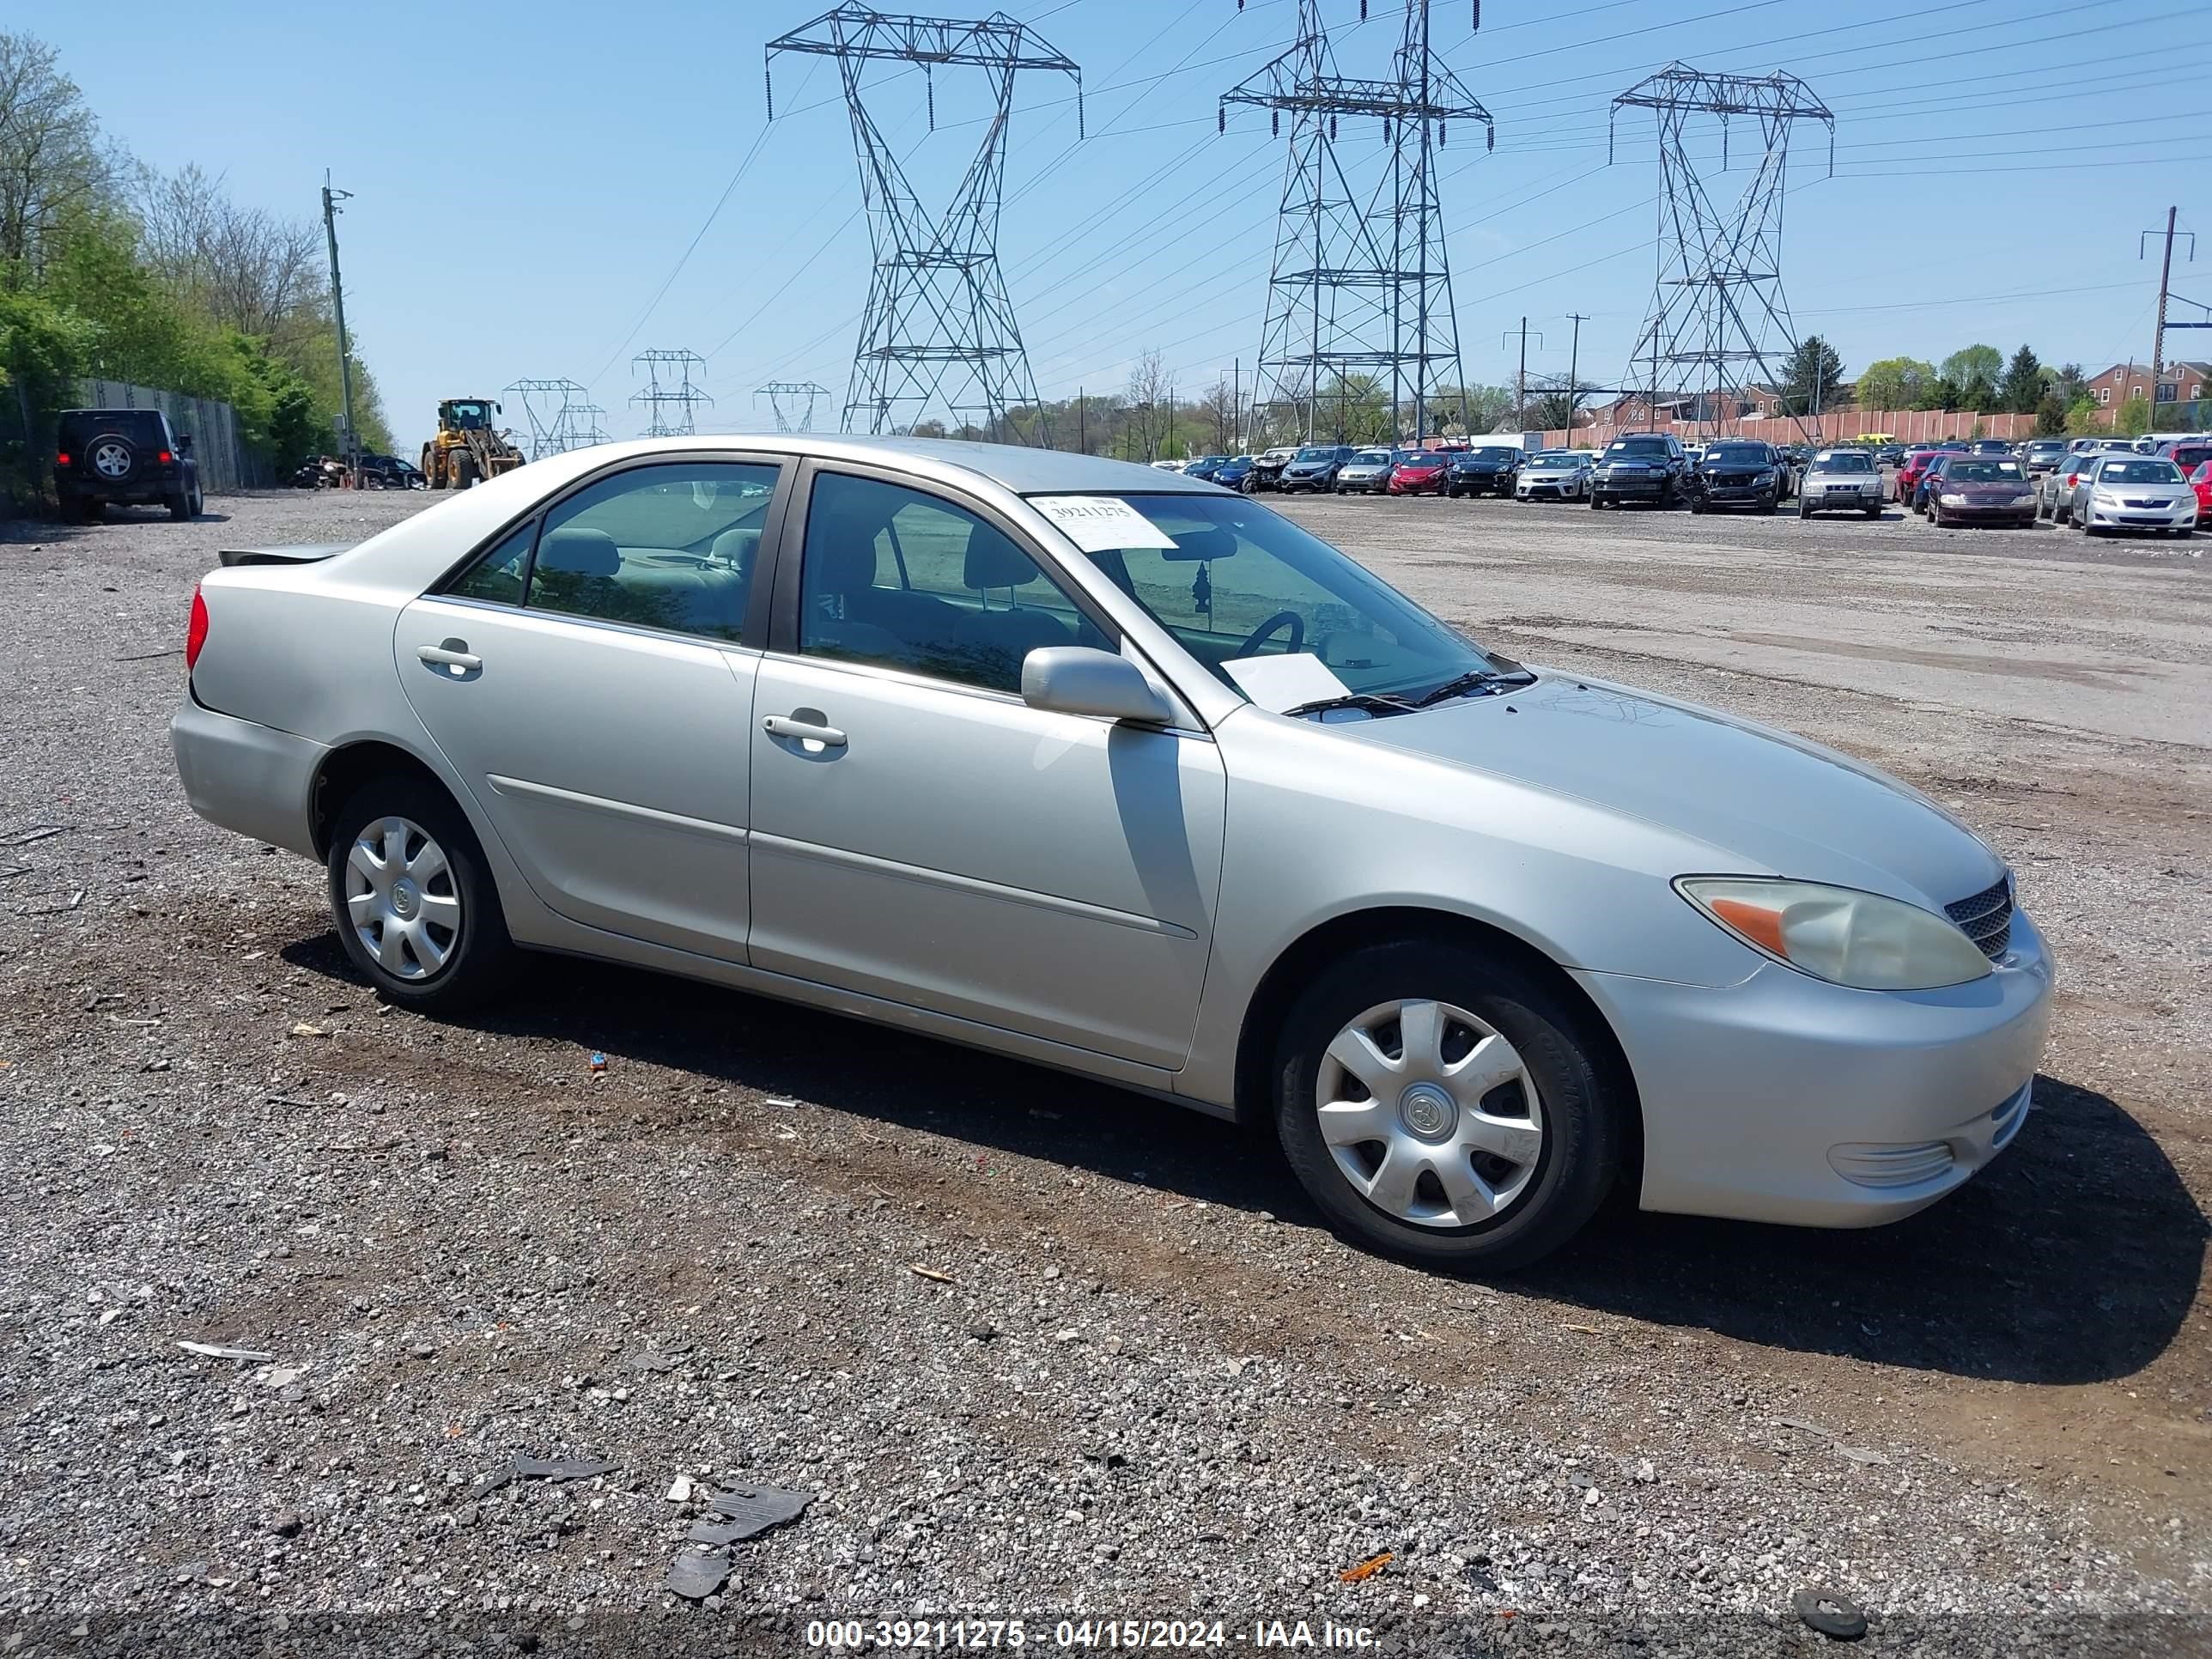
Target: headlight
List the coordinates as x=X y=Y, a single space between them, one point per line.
x=2023 y=501
x=1837 y=933
x=1949 y=500
x=2104 y=498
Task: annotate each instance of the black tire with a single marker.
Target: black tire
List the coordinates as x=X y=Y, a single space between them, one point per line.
x=1768 y=506
x=1697 y=503
x=1871 y=512
x=180 y=505
x=199 y=500
x=1584 y=1102
x=1804 y=507
x=481 y=956
x=91 y=508
x=1595 y=501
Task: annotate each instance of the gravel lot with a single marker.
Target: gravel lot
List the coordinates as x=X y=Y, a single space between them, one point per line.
x=1042 y=1349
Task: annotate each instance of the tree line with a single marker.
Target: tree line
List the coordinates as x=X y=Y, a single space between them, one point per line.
x=112 y=268
x=1976 y=379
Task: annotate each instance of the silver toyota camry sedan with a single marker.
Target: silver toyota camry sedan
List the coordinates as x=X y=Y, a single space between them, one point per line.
x=1123 y=773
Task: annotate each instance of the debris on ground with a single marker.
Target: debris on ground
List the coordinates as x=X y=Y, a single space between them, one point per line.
x=216 y=1351
x=300 y=1028
x=749 y=1511
x=1830 y=1613
x=543 y=1468
x=1368 y=1568
x=598 y=1063
x=929 y=1273
x=696 y=1575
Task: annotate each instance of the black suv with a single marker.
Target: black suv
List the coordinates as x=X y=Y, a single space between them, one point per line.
x=1643 y=466
x=130 y=455
x=1489 y=470
x=1740 y=472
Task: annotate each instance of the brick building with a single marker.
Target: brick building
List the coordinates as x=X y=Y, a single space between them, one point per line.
x=2178 y=383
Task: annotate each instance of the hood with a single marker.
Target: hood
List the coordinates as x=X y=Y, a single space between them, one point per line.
x=1767 y=802
x=2007 y=487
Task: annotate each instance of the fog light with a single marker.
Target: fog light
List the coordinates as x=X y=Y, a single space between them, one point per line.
x=1868 y=1165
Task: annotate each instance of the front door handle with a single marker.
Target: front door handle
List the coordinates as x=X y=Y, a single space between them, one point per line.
x=453 y=654
x=783 y=725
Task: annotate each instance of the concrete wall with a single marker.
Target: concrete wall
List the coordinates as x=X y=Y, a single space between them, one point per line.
x=224 y=467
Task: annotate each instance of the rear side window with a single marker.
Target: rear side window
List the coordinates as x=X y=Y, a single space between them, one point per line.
x=498 y=577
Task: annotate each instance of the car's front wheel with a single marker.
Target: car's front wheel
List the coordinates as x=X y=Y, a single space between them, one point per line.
x=415 y=905
x=1446 y=1105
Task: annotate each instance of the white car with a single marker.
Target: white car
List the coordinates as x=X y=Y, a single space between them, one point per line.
x=2134 y=492
x=1554 y=475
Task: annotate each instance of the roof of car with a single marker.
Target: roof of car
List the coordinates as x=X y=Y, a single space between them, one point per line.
x=1017 y=467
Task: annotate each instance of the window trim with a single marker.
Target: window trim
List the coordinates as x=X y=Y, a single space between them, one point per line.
x=783 y=630
x=752 y=634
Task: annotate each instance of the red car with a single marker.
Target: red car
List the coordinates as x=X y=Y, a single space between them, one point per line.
x=1420 y=473
x=2201 y=481
x=1908 y=475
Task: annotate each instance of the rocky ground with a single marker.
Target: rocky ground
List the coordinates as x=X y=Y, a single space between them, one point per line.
x=1037 y=1348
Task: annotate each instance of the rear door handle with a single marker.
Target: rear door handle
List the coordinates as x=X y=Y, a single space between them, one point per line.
x=782 y=725
x=449 y=656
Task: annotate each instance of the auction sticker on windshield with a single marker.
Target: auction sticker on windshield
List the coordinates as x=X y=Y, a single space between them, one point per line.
x=1101 y=524
x=1285 y=682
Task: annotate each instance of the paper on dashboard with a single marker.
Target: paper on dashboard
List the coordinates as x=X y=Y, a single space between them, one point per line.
x=1101 y=524
x=1286 y=681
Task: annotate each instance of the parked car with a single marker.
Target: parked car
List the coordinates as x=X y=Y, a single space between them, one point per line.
x=1235 y=473
x=1205 y=466
x=1841 y=478
x=391 y=473
x=1989 y=446
x=1889 y=455
x=1643 y=467
x=1420 y=472
x=1165 y=465
x=1924 y=486
x=115 y=457
x=1737 y=473
x=1059 y=795
x=1368 y=472
x=1484 y=470
x=2040 y=455
x=1315 y=467
x=2054 y=498
x=1908 y=474
x=2134 y=492
x=1267 y=468
x=2187 y=454
x=1555 y=475
x=1976 y=488
x=2201 y=481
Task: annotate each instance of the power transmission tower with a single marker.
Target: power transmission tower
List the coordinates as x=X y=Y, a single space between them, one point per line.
x=777 y=391
x=669 y=407
x=583 y=425
x=1717 y=306
x=545 y=405
x=939 y=335
x=1360 y=280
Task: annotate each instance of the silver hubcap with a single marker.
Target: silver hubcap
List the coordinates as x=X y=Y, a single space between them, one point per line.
x=1429 y=1113
x=112 y=461
x=401 y=899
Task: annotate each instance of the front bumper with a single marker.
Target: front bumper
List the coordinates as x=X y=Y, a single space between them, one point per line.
x=2124 y=517
x=1434 y=486
x=1363 y=486
x=1820 y=498
x=1784 y=1098
x=1290 y=480
x=1560 y=489
x=245 y=777
x=1480 y=483
x=1735 y=494
x=1986 y=513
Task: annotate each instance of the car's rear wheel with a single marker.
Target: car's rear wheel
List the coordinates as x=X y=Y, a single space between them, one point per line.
x=1445 y=1105
x=415 y=905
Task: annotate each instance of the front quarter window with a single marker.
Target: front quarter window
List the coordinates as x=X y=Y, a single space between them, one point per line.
x=1237 y=582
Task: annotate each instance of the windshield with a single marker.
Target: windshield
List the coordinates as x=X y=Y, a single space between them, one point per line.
x=1636 y=447
x=1547 y=462
x=1737 y=454
x=1849 y=461
x=1983 y=473
x=1315 y=454
x=1495 y=454
x=2139 y=472
x=1372 y=457
x=1242 y=586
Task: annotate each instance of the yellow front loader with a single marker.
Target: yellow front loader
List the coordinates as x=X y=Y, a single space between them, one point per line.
x=467 y=446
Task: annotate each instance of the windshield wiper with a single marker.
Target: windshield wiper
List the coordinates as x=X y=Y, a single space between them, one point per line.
x=1373 y=702
x=1474 y=680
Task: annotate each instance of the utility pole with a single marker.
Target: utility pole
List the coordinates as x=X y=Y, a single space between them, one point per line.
x=1082 y=422
x=1236 y=402
x=1574 y=372
x=2164 y=293
x=352 y=445
x=1521 y=380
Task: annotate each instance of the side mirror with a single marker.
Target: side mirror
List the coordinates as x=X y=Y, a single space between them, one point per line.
x=1077 y=679
x=185 y=442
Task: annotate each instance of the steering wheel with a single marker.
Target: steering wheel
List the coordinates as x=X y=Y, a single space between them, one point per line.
x=1251 y=645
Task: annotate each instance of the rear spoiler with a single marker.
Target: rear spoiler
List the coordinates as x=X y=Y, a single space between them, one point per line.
x=306 y=553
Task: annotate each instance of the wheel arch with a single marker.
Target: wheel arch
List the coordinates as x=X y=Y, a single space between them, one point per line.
x=1286 y=976
x=348 y=766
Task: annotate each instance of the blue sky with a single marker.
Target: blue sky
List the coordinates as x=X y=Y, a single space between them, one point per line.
x=527 y=181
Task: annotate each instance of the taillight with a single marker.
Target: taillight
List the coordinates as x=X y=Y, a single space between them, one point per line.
x=195 y=630
x=62 y=460
x=165 y=457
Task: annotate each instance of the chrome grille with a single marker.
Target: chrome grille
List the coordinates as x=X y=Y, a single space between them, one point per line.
x=1986 y=918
